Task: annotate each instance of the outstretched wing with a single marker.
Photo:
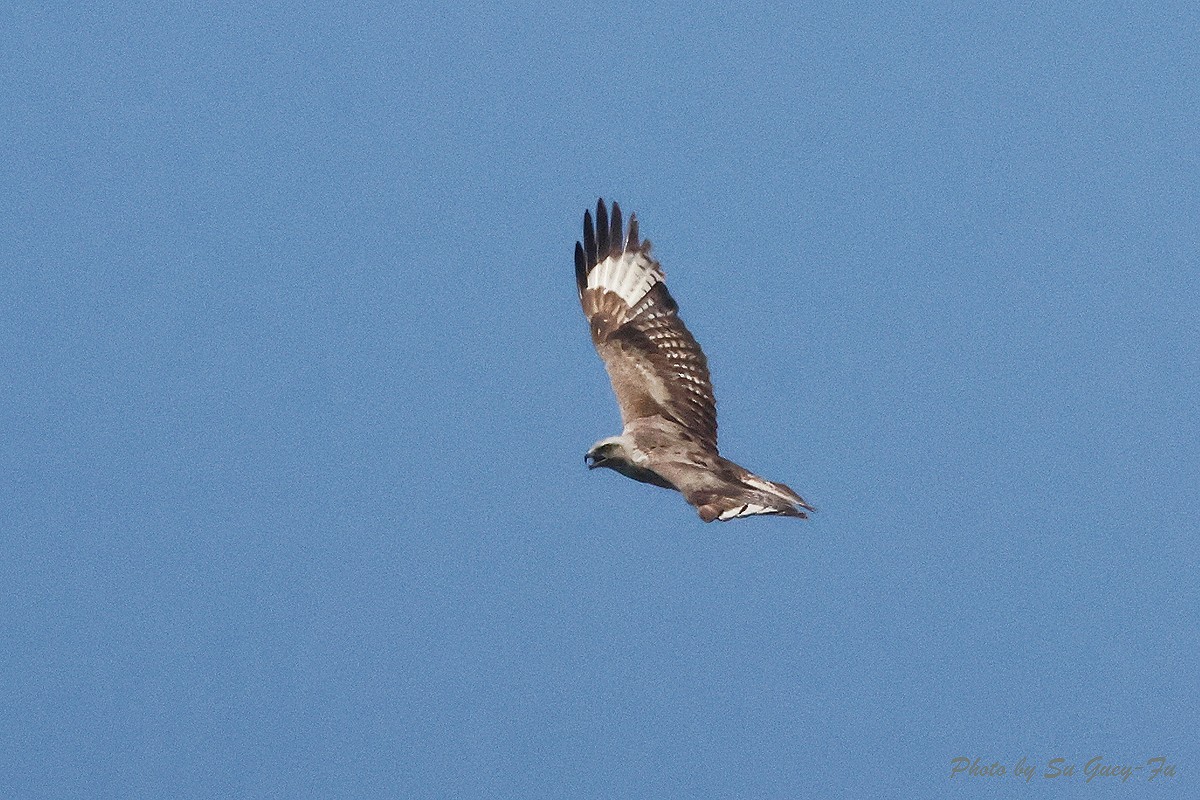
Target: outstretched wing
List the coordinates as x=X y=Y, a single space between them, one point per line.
x=746 y=495
x=655 y=365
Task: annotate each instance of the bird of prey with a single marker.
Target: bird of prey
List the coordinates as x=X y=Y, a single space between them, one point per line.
x=660 y=377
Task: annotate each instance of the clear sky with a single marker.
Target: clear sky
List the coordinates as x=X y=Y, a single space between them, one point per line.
x=296 y=392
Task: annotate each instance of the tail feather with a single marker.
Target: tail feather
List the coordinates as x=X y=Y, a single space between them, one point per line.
x=723 y=509
x=755 y=497
x=779 y=489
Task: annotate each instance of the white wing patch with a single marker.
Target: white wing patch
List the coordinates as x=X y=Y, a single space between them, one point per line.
x=747 y=510
x=628 y=275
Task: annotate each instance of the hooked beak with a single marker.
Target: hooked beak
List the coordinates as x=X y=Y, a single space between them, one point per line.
x=591 y=460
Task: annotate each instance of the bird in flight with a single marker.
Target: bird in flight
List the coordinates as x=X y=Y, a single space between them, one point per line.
x=660 y=377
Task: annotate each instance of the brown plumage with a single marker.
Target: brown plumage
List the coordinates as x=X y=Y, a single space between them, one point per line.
x=660 y=377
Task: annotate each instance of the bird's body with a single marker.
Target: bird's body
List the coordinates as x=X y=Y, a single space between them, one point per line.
x=660 y=377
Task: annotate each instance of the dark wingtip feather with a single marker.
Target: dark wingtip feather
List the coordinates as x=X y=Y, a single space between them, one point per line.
x=581 y=268
x=615 y=236
x=602 y=237
x=794 y=511
x=589 y=239
x=602 y=230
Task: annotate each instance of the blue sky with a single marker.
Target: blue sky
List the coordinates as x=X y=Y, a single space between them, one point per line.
x=296 y=391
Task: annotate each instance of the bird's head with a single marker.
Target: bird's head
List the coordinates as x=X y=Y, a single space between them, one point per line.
x=608 y=452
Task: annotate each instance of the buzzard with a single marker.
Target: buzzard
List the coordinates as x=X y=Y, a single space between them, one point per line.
x=660 y=377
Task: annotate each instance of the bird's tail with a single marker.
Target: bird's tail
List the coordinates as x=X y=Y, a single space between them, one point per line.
x=780 y=489
x=758 y=496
